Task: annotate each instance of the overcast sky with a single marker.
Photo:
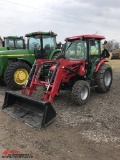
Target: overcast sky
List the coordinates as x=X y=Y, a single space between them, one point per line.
x=65 y=17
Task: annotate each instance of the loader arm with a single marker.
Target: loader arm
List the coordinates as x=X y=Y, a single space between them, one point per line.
x=63 y=71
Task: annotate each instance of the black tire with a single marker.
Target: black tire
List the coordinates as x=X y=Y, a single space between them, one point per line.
x=80 y=92
x=103 y=78
x=10 y=71
x=2 y=82
x=58 y=56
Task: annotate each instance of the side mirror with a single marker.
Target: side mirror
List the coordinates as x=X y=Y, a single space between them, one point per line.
x=105 y=42
x=59 y=45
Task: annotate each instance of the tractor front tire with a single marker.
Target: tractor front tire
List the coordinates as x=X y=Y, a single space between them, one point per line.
x=16 y=75
x=80 y=92
x=58 y=56
x=103 y=78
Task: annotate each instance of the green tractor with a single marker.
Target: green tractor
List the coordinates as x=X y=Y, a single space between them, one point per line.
x=15 y=65
x=1 y=42
x=12 y=43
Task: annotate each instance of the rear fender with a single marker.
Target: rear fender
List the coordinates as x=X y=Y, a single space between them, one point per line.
x=26 y=61
x=53 y=53
x=19 y=60
x=100 y=63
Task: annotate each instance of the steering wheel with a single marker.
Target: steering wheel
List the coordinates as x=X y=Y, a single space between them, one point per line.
x=36 y=45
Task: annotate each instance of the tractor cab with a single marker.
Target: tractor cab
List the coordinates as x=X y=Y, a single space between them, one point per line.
x=43 y=43
x=84 y=47
x=14 y=42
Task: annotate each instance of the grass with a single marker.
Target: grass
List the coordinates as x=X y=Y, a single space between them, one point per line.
x=115 y=64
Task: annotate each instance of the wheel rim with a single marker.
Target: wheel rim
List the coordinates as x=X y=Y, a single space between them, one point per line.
x=107 y=78
x=20 y=76
x=84 y=93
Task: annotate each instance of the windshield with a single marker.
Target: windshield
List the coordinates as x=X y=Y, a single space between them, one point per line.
x=19 y=43
x=34 y=42
x=75 y=50
x=9 y=43
x=49 y=43
x=14 y=43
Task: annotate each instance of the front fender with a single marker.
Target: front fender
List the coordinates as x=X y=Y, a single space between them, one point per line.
x=53 y=53
x=100 y=63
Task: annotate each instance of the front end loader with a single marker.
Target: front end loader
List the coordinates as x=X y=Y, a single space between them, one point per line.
x=82 y=67
x=34 y=112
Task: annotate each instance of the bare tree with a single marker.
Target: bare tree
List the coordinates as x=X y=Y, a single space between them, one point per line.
x=113 y=45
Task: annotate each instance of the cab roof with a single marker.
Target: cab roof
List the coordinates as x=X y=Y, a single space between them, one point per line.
x=86 y=36
x=40 y=33
x=14 y=37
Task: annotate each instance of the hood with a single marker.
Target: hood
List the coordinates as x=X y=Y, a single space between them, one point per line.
x=3 y=48
x=18 y=51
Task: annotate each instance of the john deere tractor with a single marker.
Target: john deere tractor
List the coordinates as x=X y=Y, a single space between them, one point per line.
x=15 y=65
x=12 y=43
x=1 y=42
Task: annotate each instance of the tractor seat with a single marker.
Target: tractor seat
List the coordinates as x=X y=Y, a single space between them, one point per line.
x=47 y=48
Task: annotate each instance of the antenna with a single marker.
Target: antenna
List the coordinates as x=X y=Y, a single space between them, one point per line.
x=96 y=32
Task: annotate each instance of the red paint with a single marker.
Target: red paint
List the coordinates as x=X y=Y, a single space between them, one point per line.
x=6 y=152
x=85 y=36
x=52 y=68
x=82 y=68
x=100 y=63
x=62 y=76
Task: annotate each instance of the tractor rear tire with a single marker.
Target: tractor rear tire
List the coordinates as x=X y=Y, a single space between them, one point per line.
x=2 y=82
x=58 y=56
x=103 y=78
x=80 y=92
x=16 y=74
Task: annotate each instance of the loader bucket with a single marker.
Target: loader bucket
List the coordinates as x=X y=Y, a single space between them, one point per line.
x=32 y=111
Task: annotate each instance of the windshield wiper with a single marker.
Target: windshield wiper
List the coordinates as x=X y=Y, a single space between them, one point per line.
x=69 y=45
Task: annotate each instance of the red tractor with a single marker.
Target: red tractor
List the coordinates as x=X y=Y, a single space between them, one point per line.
x=81 y=67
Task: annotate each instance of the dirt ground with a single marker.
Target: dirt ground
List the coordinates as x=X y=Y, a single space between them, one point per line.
x=91 y=132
